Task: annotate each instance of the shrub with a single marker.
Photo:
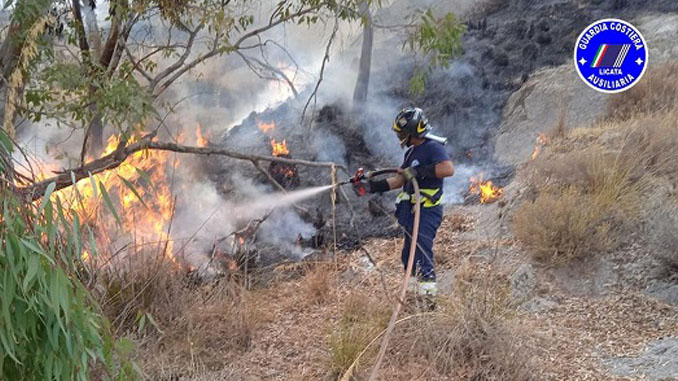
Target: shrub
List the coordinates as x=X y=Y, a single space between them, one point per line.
x=586 y=202
x=656 y=93
x=200 y=330
x=317 y=285
x=143 y=285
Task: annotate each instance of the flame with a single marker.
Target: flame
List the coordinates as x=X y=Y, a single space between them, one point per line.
x=84 y=256
x=200 y=139
x=145 y=212
x=487 y=191
x=265 y=127
x=280 y=149
x=542 y=140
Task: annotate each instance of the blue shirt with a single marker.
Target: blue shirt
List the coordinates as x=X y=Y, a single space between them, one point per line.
x=427 y=153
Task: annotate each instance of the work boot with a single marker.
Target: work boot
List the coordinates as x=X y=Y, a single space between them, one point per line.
x=426 y=294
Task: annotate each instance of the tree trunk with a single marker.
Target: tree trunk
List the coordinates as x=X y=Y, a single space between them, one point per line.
x=363 y=81
x=92 y=28
x=25 y=14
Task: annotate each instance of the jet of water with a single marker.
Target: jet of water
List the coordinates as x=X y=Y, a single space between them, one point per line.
x=271 y=201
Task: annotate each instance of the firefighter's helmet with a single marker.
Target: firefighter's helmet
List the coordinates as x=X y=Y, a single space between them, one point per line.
x=411 y=122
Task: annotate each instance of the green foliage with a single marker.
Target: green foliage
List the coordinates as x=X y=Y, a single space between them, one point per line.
x=50 y=329
x=438 y=40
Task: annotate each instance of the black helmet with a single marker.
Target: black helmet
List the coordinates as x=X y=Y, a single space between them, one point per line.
x=411 y=122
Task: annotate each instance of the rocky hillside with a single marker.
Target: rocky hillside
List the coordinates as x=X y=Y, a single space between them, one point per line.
x=573 y=274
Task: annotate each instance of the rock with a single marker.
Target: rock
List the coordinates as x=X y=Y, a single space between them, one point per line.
x=665 y=291
x=537 y=304
x=656 y=362
x=536 y=108
x=523 y=284
x=660 y=32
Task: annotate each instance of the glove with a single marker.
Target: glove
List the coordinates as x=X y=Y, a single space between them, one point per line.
x=363 y=187
x=409 y=173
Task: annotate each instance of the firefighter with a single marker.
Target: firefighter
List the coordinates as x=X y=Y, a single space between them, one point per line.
x=426 y=160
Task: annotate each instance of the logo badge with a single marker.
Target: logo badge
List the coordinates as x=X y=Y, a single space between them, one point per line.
x=610 y=55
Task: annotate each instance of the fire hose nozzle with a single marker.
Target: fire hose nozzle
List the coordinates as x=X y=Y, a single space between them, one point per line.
x=357 y=182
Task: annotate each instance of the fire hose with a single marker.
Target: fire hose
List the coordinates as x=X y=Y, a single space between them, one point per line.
x=360 y=175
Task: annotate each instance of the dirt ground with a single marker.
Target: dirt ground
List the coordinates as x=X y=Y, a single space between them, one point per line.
x=572 y=335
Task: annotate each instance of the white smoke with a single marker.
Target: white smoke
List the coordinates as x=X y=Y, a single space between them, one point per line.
x=222 y=92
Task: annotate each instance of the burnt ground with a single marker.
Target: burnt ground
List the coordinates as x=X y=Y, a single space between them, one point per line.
x=506 y=41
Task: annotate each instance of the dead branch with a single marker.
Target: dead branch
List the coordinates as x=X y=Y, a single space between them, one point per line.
x=65 y=179
x=258 y=66
x=326 y=59
x=216 y=49
x=192 y=34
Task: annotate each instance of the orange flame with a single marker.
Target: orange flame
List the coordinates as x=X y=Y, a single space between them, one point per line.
x=142 y=201
x=265 y=127
x=487 y=191
x=280 y=149
x=542 y=140
x=200 y=139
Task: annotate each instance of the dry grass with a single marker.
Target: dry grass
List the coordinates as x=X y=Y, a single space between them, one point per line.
x=471 y=336
x=181 y=328
x=206 y=334
x=317 y=284
x=142 y=284
x=585 y=202
x=591 y=189
x=656 y=93
x=363 y=317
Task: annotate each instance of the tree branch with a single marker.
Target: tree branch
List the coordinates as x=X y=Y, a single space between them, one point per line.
x=113 y=160
x=192 y=34
x=216 y=49
x=82 y=35
x=326 y=59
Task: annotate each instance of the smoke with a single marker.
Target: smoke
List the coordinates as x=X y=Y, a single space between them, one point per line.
x=328 y=147
x=457 y=186
x=223 y=91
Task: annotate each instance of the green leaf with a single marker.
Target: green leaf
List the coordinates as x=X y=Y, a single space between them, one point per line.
x=146 y=177
x=94 y=185
x=133 y=190
x=48 y=193
x=33 y=266
x=109 y=204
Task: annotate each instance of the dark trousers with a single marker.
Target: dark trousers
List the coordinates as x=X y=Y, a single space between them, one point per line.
x=428 y=227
